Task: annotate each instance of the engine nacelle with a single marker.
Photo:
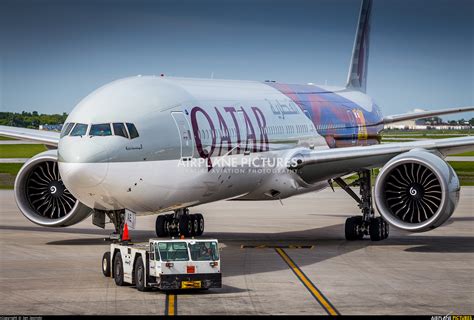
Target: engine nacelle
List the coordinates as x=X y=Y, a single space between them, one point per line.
x=41 y=195
x=416 y=191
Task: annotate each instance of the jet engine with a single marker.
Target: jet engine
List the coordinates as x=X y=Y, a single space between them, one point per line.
x=416 y=191
x=42 y=196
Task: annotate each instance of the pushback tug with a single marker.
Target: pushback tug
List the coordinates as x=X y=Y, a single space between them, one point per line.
x=170 y=264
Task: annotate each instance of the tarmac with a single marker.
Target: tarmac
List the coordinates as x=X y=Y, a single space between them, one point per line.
x=277 y=258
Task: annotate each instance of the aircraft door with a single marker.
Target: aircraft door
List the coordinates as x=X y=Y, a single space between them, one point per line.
x=185 y=135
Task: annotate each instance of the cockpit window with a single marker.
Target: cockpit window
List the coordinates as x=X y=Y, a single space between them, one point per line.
x=132 y=130
x=102 y=129
x=119 y=130
x=66 y=129
x=79 y=130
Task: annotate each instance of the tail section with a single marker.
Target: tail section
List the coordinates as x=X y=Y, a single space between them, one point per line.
x=357 y=77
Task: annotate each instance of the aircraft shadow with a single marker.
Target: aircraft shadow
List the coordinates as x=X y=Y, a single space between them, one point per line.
x=328 y=243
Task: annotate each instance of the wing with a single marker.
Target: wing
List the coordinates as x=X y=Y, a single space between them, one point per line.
x=319 y=165
x=50 y=138
x=423 y=114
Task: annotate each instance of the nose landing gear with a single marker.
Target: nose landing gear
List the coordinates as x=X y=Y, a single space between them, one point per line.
x=181 y=222
x=117 y=217
x=358 y=226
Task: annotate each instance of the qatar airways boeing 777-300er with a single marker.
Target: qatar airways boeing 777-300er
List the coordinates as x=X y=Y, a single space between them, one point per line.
x=155 y=144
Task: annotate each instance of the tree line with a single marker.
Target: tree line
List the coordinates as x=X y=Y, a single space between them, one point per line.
x=30 y=119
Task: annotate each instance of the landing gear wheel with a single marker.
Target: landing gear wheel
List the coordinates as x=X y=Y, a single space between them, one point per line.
x=367 y=224
x=185 y=226
x=194 y=224
x=106 y=264
x=140 y=275
x=161 y=226
x=200 y=224
x=118 y=270
x=167 y=225
x=353 y=228
x=170 y=226
x=387 y=230
x=378 y=229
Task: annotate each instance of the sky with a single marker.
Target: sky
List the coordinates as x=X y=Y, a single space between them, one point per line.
x=54 y=53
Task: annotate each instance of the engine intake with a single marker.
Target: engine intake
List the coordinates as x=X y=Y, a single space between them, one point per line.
x=416 y=191
x=42 y=196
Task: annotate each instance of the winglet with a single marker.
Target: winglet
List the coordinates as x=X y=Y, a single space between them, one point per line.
x=357 y=77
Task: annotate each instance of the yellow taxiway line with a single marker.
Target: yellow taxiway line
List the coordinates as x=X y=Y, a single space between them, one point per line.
x=323 y=301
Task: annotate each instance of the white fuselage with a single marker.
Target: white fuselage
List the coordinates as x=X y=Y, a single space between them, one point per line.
x=199 y=141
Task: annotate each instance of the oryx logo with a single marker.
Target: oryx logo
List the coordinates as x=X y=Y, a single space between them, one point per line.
x=53 y=189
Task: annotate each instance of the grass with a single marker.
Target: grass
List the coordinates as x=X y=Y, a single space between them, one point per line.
x=394 y=140
x=8 y=173
x=432 y=132
x=427 y=136
x=10 y=168
x=465 y=154
x=20 y=150
x=412 y=136
x=465 y=171
x=6 y=138
x=462 y=166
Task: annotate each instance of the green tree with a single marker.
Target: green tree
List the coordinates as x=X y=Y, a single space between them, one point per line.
x=30 y=119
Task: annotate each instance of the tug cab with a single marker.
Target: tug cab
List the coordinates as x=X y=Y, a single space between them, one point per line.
x=171 y=264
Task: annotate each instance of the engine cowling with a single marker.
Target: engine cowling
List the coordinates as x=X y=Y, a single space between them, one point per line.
x=42 y=196
x=416 y=191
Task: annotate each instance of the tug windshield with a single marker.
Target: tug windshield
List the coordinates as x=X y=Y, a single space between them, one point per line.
x=173 y=251
x=204 y=251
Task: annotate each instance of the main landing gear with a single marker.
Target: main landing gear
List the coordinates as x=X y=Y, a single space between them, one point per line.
x=366 y=224
x=181 y=222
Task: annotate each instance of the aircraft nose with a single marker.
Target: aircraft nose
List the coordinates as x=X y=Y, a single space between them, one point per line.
x=82 y=163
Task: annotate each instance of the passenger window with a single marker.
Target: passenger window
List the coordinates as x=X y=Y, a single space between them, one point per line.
x=119 y=130
x=132 y=130
x=67 y=128
x=102 y=129
x=80 y=129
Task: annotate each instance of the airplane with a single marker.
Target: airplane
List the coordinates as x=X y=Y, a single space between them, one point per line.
x=155 y=144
